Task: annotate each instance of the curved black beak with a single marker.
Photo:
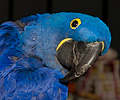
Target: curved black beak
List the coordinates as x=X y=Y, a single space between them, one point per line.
x=78 y=57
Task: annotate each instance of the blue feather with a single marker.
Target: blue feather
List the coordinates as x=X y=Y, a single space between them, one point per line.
x=13 y=24
x=8 y=36
x=29 y=19
x=40 y=83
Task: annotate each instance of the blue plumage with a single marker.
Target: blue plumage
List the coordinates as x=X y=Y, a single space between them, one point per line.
x=29 y=69
x=41 y=83
x=8 y=36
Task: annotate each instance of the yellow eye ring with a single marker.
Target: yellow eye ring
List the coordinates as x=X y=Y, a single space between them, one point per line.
x=75 y=23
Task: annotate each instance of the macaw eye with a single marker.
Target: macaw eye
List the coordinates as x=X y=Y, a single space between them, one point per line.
x=75 y=23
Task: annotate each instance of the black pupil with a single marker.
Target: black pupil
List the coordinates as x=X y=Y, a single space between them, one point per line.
x=75 y=23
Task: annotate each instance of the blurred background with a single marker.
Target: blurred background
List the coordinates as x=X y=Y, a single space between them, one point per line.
x=102 y=81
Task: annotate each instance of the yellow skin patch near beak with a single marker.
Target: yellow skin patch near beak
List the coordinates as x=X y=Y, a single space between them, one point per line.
x=63 y=41
x=103 y=45
x=67 y=39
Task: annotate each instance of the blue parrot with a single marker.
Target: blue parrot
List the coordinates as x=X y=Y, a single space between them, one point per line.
x=41 y=52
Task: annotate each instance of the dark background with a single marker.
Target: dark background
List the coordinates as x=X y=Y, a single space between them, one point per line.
x=107 y=10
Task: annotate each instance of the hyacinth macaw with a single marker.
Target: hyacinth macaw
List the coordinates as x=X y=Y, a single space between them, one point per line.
x=41 y=52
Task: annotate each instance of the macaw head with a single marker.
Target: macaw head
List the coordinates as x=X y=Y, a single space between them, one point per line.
x=76 y=39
